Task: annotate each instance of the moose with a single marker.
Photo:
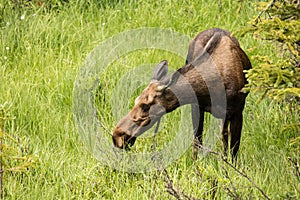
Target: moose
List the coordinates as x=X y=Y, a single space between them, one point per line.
x=214 y=66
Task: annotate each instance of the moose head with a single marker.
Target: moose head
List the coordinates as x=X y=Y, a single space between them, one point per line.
x=156 y=100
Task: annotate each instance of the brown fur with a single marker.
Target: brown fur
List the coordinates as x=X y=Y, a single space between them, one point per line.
x=189 y=85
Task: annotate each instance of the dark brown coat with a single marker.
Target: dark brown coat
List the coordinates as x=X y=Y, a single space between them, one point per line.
x=211 y=81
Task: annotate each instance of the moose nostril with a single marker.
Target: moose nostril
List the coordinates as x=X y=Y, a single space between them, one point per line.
x=122 y=140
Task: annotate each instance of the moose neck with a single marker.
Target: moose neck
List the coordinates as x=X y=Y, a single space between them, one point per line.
x=190 y=88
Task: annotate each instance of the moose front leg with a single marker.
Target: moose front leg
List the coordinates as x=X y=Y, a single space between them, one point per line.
x=197 y=118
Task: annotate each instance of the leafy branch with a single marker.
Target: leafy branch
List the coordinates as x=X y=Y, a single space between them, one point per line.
x=277 y=23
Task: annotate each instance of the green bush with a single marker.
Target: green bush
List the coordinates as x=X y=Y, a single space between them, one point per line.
x=278 y=25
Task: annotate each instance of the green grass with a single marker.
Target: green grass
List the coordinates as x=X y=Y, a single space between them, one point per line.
x=40 y=57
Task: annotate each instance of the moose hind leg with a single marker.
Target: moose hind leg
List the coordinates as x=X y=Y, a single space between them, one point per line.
x=235 y=129
x=197 y=118
x=225 y=136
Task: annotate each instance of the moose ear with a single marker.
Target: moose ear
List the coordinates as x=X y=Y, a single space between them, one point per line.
x=172 y=80
x=160 y=71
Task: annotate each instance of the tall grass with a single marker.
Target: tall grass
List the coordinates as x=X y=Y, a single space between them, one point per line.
x=43 y=49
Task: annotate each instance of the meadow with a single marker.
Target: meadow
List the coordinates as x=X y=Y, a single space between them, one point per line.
x=43 y=49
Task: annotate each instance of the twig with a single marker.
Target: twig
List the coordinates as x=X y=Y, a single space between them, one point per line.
x=179 y=195
x=233 y=193
x=224 y=159
x=170 y=185
x=263 y=11
x=296 y=167
x=105 y=128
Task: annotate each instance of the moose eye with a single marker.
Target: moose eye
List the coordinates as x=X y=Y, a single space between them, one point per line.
x=145 y=107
